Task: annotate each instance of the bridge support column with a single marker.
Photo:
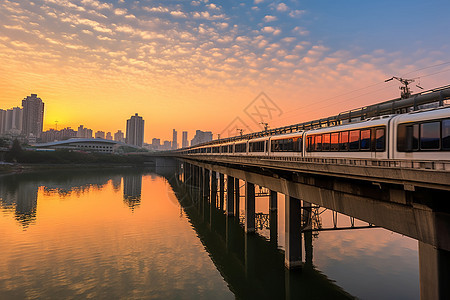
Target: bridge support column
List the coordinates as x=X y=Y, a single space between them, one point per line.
x=213 y=198
x=213 y=189
x=307 y=235
x=273 y=201
x=434 y=272
x=206 y=177
x=249 y=207
x=230 y=196
x=293 y=237
x=222 y=190
x=237 y=197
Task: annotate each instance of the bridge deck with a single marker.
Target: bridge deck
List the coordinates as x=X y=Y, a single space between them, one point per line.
x=410 y=174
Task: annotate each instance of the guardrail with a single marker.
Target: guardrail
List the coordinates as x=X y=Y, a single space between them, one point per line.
x=386 y=163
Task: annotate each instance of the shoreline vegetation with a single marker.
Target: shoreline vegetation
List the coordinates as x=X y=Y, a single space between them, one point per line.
x=17 y=160
x=19 y=168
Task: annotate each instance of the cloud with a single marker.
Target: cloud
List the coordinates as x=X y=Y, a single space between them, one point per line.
x=120 y=11
x=296 y=13
x=178 y=14
x=269 y=18
x=282 y=7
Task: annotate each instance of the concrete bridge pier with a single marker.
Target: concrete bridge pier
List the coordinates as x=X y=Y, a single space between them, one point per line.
x=213 y=198
x=213 y=189
x=205 y=193
x=293 y=237
x=206 y=185
x=307 y=235
x=434 y=272
x=237 y=197
x=249 y=207
x=230 y=196
x=273 y=200
x=221 y=190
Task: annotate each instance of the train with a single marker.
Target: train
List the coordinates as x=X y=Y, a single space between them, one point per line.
x=418 y=135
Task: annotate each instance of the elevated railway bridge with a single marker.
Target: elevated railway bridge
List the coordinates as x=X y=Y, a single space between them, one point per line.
x=406 y=191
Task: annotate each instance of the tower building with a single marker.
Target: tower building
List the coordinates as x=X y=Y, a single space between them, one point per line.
x=135 y=131
x=33 y=116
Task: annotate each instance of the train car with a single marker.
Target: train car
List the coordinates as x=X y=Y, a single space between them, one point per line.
x=258 y=147
x=290 y=144
x=421 y=135
x=241 y=148
x=227 y=148
x=366 y=139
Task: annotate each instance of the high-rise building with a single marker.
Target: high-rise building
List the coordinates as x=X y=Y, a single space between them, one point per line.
x=84 y=132
x=100 y=135
x=174 y=139
x=58 y=135
x=2 y=121
x=33 y=116
x=156 y=144
x=109 y=136
x=11 y=121
x=166 y=145
x=135 y=131
x=201 y=137
x=184 y=139
x=119 y=137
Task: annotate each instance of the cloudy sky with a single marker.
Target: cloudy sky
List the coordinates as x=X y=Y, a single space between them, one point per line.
x=201 y=64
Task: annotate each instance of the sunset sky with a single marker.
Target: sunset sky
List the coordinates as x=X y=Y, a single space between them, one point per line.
x=200 y=64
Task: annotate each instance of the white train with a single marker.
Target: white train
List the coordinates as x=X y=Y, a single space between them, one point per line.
x=419 y=135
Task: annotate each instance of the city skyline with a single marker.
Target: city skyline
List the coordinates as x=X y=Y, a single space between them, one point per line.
x=176 y=63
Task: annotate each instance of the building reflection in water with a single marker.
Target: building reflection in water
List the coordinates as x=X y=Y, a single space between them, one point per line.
x=22 y=202
x=116 y=183
x=132 y=186
x=19 y=192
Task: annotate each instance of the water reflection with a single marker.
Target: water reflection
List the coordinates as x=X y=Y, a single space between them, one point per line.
x=19 y=193
x=86 y=243
x=252 y=266
x=132 y=186
x=21 y=201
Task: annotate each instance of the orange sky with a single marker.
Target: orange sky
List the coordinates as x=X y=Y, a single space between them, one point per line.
x=198 y=65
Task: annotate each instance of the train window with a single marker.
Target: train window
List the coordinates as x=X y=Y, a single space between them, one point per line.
x=430 y=135
x=412 y=137
x=354 y=140
x=215 y=149
x=380 y=139
x=334 y=141
x=230 y=148
x=285 y=145
x=267 y=146
x=326 y=142
x=208 y=150
x=365 y=139
x=224 y=149
x=299 y=145
x=310 y=140
x=318 y=143
x=343 y=141
x=240 y=148
x=289 y=145
x=446 y=134
x=256 y=146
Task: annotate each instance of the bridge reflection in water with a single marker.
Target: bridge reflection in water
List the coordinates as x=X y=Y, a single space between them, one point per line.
x=211 y=197
x=252 y=266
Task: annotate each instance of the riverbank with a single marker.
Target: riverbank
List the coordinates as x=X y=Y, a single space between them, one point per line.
x=18 y=168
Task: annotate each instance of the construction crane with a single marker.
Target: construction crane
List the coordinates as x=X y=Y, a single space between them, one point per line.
x=405 y=90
